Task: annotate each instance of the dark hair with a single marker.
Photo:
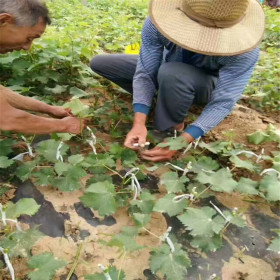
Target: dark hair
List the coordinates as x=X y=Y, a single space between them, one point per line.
x=26 y=12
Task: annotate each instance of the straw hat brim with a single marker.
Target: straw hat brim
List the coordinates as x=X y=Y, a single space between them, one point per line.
x=173 y=24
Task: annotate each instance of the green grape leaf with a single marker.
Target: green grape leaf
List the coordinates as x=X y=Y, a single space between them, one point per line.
x=215 y=147
x=71 y=179
x=207 y=243
x=172 y=266
x=75 y=159
x=125 y=240
x=45 y=266
x=5 y=162
x=48 y=149
x=174 y=144
x=77 y=108
x=173 y=183
x=77 y=92
x=6 y=146
x=275 y=245
x=24 y=171
x=205 y=163
x=220 y=181
x=44 y=177
x=145 y=203
x=19 y=243
x=25 y=206
x=243 y=163
x=166 y=205
x=201 y=222
x=235 y=219
x=100 y=197
x=199 y=190
x=61 y=167
x=111 y=270
x=141 y=220
x=258 y=137
x=247 y=186
x=270 y=185
x=128 y=157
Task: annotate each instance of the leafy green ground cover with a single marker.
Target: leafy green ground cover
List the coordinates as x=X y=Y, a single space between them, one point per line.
x=55 y=70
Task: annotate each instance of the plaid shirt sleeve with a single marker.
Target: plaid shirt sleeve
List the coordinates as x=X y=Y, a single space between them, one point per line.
x=150 y=59
x=233 y=78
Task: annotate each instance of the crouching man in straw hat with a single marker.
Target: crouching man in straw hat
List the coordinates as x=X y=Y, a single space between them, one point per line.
x=193 y=51
x=22 y=21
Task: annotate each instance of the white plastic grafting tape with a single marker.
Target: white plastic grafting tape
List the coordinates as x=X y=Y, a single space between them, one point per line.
x=175 y=134
x=188 y=148
x=181 y=197
x=30 y=152
x=271 y=170
x=136 y=145
x=207 y=171
x=3 y=215
x=166 y=238
x=212 y=277
x=192 y=144
x=196 y=143
x=8 y=263
x=185 y=170
x=106 y=274
x=228 y=219
x=259 y=157
x=135 y=185
x=92 y=142
x=58 y=152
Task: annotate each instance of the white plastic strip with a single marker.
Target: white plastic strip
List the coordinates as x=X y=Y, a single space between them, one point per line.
x=106 y=274
x=166 y=238
x=135 y=185
x=212 y=277
x=259 y=157
x=185 y=170
x=181 y=197
x=271 y=170
x=196 y=143
x=92 y=142
x=30 y=152
x=220 y=212
x=58 y=152
x=188 y=148
x=136 y=145
x=3 y=215
x=20 y=157
x=175 y=134
x=8 y=263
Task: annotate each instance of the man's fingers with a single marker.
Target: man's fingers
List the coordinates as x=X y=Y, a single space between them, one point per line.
x=130 y=141
x=155 y=158
x=155 y=152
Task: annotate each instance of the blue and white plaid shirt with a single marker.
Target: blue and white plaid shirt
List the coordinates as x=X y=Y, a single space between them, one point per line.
x=234 y=73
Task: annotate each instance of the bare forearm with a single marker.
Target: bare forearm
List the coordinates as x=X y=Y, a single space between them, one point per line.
x=24 y=103
x=140 y=119
x=24 y=122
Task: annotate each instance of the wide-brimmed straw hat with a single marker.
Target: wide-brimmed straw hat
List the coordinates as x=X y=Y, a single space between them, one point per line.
x=211 y=27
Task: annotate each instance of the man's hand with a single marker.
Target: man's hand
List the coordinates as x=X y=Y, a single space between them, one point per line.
x=138 y=134
x=60 y=112
x=158 y=154
x=72 y=125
